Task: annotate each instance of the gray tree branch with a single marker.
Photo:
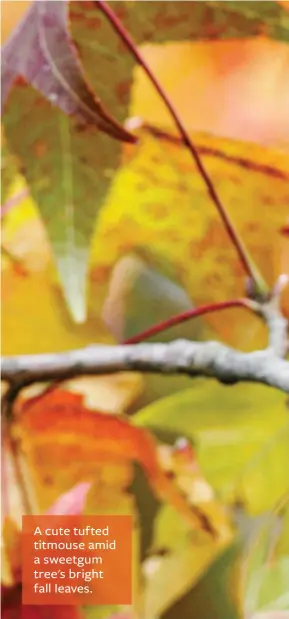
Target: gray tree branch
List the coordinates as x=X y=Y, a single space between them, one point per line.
x=207 y=359
x=210 y=359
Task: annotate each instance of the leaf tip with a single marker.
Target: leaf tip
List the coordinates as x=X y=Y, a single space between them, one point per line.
x=77 y=311
x=75 y=295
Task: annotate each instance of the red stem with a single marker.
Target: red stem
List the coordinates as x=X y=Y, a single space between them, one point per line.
x=194 y=313
x=245 y=259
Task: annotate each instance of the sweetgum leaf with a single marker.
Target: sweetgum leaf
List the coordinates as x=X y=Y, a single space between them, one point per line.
x=159 y=203
x=58 y=163
x=266 y=576
x=216 y=594
x=76 y=186
x=242 y=438
x=60 y=425
x=41 y=51
x=162 y=214
x=270 y=586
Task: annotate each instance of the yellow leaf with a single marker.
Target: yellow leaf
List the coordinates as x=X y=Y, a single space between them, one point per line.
x=159 y=205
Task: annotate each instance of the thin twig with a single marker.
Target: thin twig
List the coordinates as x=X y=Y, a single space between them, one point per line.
x=210 y=359
x=12 y=445
x=189 y=315
x=247 y=262
x=21 y=476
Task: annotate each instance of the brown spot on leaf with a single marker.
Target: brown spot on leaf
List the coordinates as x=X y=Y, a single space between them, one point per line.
x=90 y=5
x=269 y=200
x=253 y=226
x=155 y=159
x=163 y=21
x=170 y=475
x=22 y=169
x=213 y=235
x=40 y=149
x=121 y=48
x=40 y=101
x=93 y=23
x=158 y=210
x=101 y=274
x=234 y=178
x=81 y=127
x=20 y=269
x=213 y=30
x=122 y=91
x=121 y=12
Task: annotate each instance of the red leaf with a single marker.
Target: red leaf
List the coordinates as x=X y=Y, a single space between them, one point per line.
x=42 y=53
x=11 y=598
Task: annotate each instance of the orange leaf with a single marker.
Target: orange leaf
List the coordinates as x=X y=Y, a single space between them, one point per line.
x=58 y=431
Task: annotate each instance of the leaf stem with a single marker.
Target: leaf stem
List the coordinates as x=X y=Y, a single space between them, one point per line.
x=246 y=260
x=194 y=313
x=20 y=473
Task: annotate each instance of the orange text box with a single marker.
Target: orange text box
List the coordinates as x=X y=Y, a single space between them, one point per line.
x=77 y=560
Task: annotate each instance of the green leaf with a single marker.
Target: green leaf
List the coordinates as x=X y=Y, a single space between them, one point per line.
x=8 y=173
x=58 y=164
x=170 y=531
x=266 y=574
x=140 y=296
x=271 y=587
x=242 y=436
x=147 y=506
x=282 y=545
x=212 y=595
x=143 y=293
x=254 y=562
